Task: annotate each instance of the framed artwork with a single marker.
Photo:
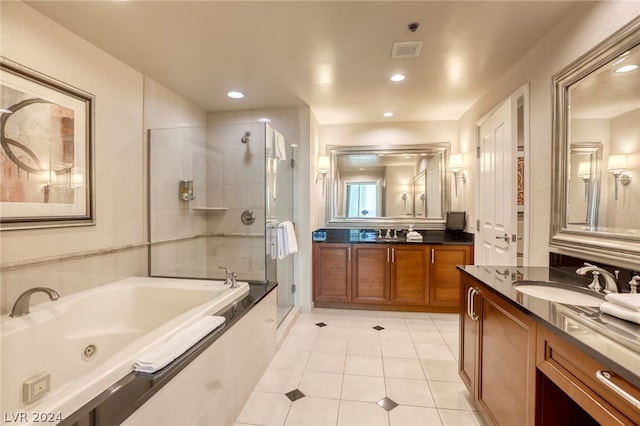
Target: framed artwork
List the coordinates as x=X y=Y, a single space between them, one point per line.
x=46 y=156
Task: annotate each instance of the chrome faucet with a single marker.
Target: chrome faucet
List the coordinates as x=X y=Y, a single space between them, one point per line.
x=21 y=307
x=230 y=277
x=634 y=283
x=611 y=281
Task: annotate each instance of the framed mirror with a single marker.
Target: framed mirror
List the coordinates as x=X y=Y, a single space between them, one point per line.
x=596 y=153
x=384 y=185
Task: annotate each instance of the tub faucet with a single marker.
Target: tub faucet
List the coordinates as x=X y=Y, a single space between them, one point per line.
x=611 y=283
x=234 y=283
x=21 y=307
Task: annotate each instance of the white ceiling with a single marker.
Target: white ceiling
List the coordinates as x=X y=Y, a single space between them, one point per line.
x=334 y=56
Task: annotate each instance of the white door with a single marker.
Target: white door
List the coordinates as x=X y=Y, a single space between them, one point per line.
x=497 y=190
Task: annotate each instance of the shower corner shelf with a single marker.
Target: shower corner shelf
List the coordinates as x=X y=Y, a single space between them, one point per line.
x=209 y=209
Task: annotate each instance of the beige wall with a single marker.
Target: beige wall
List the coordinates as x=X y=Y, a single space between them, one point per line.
x=586 y=26
x=70 y=259
x=393 y=133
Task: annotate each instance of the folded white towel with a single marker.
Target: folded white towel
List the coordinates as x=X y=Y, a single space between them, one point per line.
x=287 y=243
x=627 y=300
x=413 y=235
x=158 y=357
x=620 y=312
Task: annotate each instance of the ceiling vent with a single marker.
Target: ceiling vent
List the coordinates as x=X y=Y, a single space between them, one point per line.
x=408 y=49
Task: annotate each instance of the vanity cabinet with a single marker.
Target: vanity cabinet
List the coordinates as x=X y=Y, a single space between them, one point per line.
x=444 y=278
x=388 y=276
x=371 y=268
x=497 y=355
x=332 y=272
x=597 y=395
x=409 y=274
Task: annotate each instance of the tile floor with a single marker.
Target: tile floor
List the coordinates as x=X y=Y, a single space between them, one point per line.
x=341 y=367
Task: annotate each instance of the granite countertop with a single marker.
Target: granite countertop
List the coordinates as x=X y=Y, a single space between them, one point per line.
x=432 y=237
x=611 y=341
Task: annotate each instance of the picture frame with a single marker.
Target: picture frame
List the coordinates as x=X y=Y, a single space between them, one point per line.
x=46 y=151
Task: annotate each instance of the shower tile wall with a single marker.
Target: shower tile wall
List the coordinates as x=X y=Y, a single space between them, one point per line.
x=177 y=231
x=237 y=181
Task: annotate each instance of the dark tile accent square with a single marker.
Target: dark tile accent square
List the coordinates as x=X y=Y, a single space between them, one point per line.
x=387 y=403
x=321 y=324
x=295 y=395
x=377 y=327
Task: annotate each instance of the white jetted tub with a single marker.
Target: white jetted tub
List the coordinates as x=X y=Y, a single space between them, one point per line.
x=89 y=340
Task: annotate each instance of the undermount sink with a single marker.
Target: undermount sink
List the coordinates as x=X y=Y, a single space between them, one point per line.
x=560 y=293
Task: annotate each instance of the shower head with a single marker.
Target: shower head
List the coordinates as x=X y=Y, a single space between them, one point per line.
x=246 y=138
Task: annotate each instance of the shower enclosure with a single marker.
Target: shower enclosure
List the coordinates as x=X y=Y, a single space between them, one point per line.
x=216 y=197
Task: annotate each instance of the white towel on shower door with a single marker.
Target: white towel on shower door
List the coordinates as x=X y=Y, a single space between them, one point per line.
x=287 y=243
x=158 y=357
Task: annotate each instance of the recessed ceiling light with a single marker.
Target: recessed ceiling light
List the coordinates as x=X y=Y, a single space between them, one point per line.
x=627 y=68
x=388 y=114
x=235 y=95
x=264 y=120
x=397 y=77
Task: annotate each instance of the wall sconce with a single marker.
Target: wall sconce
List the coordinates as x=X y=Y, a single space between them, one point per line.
x=617 y=166
x=323 y=167
x=456 y=165
x=584 y=173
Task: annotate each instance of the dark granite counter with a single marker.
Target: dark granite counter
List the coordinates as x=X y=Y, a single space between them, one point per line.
x=611 y=341
x=350 y=236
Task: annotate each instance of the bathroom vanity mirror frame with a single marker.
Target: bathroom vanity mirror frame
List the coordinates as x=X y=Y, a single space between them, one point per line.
x=435 y=222
x=618 y=246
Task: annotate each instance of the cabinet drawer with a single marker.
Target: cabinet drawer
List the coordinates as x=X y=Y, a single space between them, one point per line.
x=589 y=383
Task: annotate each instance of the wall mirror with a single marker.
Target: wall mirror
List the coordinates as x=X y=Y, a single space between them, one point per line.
x=596 y=152
x=385 y=185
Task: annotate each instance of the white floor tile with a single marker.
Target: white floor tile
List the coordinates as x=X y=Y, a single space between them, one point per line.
x=433 y=337
x=458 y=418
x=276 y=380
x=398 y=349
x=265 y=409
x=345 y=368
x=442 y=371
x=434 y=352
x=299 y=343
x=390 y=335
x=414 y=416
x=405 y=368
x=410 y=392
x=321 y=385
x=310 y=411
x=330 y=345
x=327 y=363
x=364 y=347
x=290 y=360
x=364 y=366
x=450 y=395
x=362 y=414
x=363 y=388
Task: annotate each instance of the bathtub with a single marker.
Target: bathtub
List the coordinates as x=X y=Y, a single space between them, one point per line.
x=88 y=341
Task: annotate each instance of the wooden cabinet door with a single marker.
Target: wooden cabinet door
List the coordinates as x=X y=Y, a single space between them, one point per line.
x=370 y=273
x=409 y=274
x=331 y=272
x=468 y=355
x=507 y=370
x=444 y=279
